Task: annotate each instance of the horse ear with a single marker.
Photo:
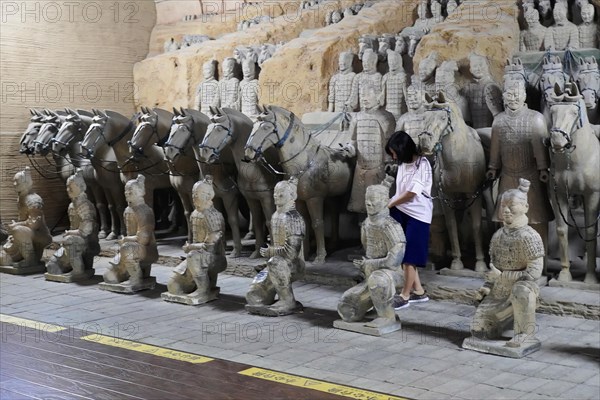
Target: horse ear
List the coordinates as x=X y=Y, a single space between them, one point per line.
x=557 y=89
x=428 y=98
x=574 y=90
x=175 y=112
x=220 y=111
x=581 y=62
x=32 y=112
x=182 y=111
x=259 y=108
x=441 y=99
x=102 y=114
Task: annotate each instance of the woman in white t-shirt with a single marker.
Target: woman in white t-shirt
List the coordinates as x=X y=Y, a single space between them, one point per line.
x=412 y=206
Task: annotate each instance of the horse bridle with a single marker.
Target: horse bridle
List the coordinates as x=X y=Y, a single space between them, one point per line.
x=569 y=146
x=140 y=149
x=185 y=144
x=281 y=141
x=447 y=130
x=110 y=143
x=77 y=123
x=217 y=150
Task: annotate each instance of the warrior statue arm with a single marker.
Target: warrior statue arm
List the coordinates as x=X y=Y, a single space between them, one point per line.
x=495 y=162
x=392 y=260
x=211 y=242
x=197 y=100
x=490 y=278
x=522 y=43
x=331 y=94
x=540 y=131
x=352 y=101
x=290 y=250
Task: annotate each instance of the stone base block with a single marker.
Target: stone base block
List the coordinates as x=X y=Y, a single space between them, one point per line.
x=360 y=327
x=189 y=299
x=498 y=347
x=465 y=273
x=11 y=269
x=575 y=285
x=268 y=311
x=126 y=287
x=70 y=277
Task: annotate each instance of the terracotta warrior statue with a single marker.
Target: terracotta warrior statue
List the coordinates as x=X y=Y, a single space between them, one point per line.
x=194 y=281
x=74 y=260
x=229 y=85
x=445 y=83
x=412 y=122
x=563 y=34
x=425 y=79
x=510 y=291
x=207 y=93
x=248 y=96
x=130 y=269
x=588 y=29
x=532 y=38
x=340 y=85
x=29 y=236
x=383 y=239
x=370 y=130
x=476 y=90
x=517 y=151
x=285 y=257
x=394 y=84
x=369 y=76
x=450 y=7
x=422 y=24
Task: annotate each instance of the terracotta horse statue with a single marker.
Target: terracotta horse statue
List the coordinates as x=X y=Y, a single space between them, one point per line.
x=459 y=171
x=187 y=132
x=33 y=128
x=574 y=167
x=66 y=145
x=302 y=156
x=42 y=144
x=228 y=133
x=552 y=74
x=150 y=135
x=588 y=81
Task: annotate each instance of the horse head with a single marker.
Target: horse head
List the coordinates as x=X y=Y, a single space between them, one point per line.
x=219 y=135
x=108 y=127
x=152 y=129
x=567 y=113
x=265 y=134
x=552 y=75
x=437 y=122
x=180 y=135
x=50 y=125
x=33 y=128
x=588 y=81
x=72 y=128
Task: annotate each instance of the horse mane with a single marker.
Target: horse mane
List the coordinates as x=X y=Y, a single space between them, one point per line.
x=236 y=114
x=197 y=116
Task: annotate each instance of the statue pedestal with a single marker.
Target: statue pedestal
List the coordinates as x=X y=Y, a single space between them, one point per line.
x=125 y=287
x=11 y=269
x=189 y=299
x=267 y=311
x=498 y=347
x=360 y=327
x=70 y=277
x=595 y=287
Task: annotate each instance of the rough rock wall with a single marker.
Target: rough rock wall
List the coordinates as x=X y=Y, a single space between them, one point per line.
x=170 y=79
x=57 y=54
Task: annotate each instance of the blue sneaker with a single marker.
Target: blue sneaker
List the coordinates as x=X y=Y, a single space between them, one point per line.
x=399 y=302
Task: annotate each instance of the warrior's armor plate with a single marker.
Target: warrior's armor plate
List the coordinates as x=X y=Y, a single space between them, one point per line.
x=481 y=117
x=249 y=97
x=286 y=224
x=207 y=95
x=206 y=222
x=340 y=87
x=559 y=37
x=229 y=92
x=588 y=36
x=532 y=39
x=360 y=80
x=394 y=84
x=379 y=239
x=413 y=123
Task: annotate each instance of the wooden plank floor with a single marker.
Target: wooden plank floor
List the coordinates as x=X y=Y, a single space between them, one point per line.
x=64 y=366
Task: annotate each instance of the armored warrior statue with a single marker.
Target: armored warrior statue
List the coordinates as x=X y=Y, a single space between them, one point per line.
x=425 y=80
x=369 y=76
x=450 y=7
x=285 y=257
x=475 y=91
x=532 y=38
x=412 y=122
x=445 y=83
x=588 y=29
x=74 y=260
x=194 y=281
x=510 y=291
x=383 y=239
x=340 y=85
x=394 y=85
x=563 y=34
x=517 y=150
x=130 y=269
x=229 y=85
x=545 y=11
x=248 y=96
x=29 y=236
x=207 y=93
x=370 y=131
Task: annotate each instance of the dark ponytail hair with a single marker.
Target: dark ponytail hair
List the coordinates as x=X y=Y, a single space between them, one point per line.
x=403 y=145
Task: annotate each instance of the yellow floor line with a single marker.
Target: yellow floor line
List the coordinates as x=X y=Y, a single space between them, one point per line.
x=147 y=349
x=41 y=326
x=321 y=386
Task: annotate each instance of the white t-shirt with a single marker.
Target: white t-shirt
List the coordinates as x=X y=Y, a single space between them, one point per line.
x=416 y=177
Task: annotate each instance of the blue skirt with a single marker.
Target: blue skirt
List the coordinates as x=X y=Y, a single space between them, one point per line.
x=417 y=238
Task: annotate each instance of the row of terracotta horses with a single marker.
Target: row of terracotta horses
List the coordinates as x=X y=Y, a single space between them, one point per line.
x=249 y=158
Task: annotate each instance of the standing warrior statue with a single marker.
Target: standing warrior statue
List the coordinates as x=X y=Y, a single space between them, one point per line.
x=194 y=281
x=532 y=38
x=413 y=122
x=425 y=80
x=369 y=76
x=517 y=150
x=285 y=257
x=340 y=85
x=248 y=96
x=510 y=290
x=394 y=85
x=370 y=131
x=74 y=260
x=383 y=239
x=563 y=34
x=130 y=269
x=229 y=85
x=29 y=236
x=589 y=36
x=476 y=90
x=207 y=93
